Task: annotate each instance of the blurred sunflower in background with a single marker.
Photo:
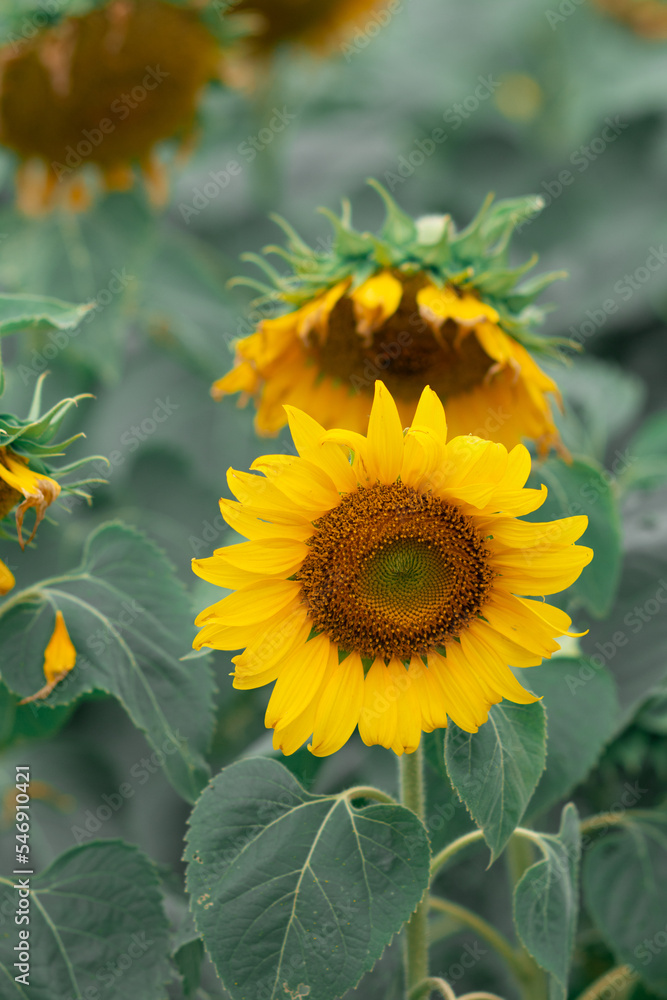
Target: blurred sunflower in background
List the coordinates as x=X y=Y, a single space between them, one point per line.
x=28 y=478
x=646 y=17
x=318 y=24
x=90 y=97
x=379 y=584
x=421 y=304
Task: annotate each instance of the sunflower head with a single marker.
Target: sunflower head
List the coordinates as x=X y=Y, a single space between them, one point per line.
x=387 y=581
x=93 y=92
x=28 y=478
x=420 y=303
x=647 y=18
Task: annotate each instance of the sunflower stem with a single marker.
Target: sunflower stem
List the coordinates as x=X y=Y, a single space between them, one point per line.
x=618 y=980
x=411 y=782
x=499 y=943
x=520 y=855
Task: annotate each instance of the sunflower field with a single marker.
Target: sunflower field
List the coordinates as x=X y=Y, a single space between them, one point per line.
x=333 y=482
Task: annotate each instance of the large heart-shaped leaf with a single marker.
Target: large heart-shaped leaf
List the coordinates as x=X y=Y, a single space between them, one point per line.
x=97 y=928
x=625 y=875
x=130 y=621
x=292 y=890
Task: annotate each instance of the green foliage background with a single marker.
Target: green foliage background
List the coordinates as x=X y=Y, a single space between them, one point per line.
x=161 y=330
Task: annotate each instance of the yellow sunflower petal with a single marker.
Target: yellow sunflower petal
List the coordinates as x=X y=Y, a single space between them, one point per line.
x=430 y=695
x=513 y=534
x=7 y=581
x=307 y=435
x=242 y=378
x=385 y=436
x=553 y=572
x=272 y=646
x=222 y=574
x=439 y=304
x=291 y=737
x=339 y=707
x=261 y=498
x=60 y=654
x=301 y=675
x=409 y=716
x=302 y=482
x=487 y=664
x=253 y=604
x=379 y=714
x=238 y=518
x=270 y=556
x=375 y=301
x=467 y=703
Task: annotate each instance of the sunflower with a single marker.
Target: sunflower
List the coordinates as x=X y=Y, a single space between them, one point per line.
x=101 y=90
x=383 y=584
x=646 y=17
x=420 y=304
x=27 y=478
x=319 y=24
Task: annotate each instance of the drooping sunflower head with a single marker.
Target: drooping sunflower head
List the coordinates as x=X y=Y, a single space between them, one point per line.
x=647 y=18
x=318 y=24
x=28 y=478
x=420 y=304
x=387 y=581
x=90 y=96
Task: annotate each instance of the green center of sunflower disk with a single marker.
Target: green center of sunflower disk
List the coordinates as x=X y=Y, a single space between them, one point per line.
x=407 y=576
x=392 y=572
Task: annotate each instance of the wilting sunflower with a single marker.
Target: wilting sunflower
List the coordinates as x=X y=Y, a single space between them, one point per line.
x=646 y=17
x=385 y=579
x=28 y=480
x=422 y=304
x=319 y=24
x=93 y=95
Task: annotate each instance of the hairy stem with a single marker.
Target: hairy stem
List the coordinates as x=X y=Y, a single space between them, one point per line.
x=618 y=981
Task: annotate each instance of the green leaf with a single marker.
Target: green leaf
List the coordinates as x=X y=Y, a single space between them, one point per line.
x=495 y=770
x=546 y=902
x=97 y=928
x=648 y=451
x=625 y=875
x=129 y=620
x=584 y=488
x=21 y=723
x=581 y=719
x=292 y=889
x=631 y=642
x=38 y=312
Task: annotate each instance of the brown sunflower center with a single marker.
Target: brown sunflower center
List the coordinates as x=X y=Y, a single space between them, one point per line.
x=105 y=87
x=392 y=571
x=404 y=352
